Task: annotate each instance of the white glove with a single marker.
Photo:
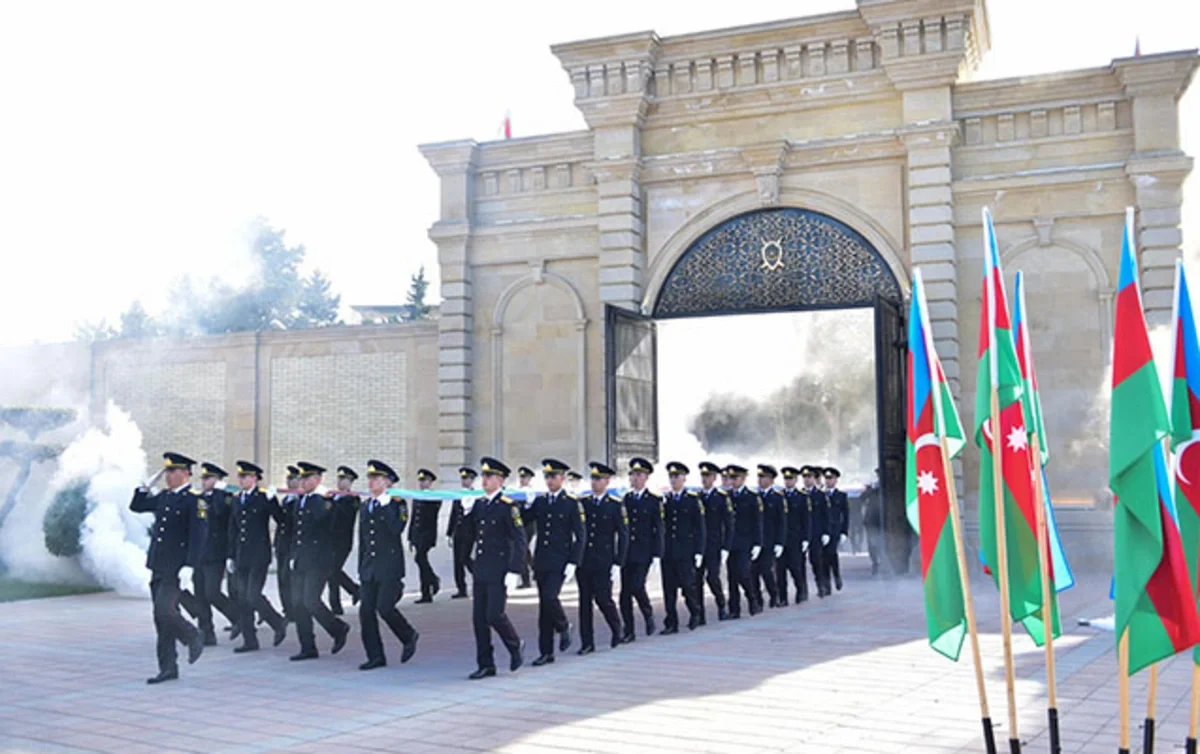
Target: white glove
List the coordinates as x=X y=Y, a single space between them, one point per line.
x=449 y=541
x=569 y=572
x=412 y=549
x=699 y=560
x=841 y=538
x=778 y=550
x=616 y=573
x=724 y=556
x=229 y=565
x=824 y=539
x=754 y=551
x=804 y=546
x=185 y=577
x=511 y=580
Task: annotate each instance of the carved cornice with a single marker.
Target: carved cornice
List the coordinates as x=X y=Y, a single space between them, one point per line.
x=924 y=135
x=928 y=43
x=1166 y=73
x=451 y=157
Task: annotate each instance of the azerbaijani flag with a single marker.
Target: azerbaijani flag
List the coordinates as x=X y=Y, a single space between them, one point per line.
x=932 y=417
x=1060 y=570
x=1000 y=372
x=1185 y=426
x=1155 y=601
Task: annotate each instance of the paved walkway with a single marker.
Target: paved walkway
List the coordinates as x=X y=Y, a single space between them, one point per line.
x=846 y=674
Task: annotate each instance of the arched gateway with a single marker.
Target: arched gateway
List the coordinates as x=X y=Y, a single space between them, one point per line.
x=768 y=260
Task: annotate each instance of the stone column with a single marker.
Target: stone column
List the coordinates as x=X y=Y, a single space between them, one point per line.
x=455 y=165
x=619 y=214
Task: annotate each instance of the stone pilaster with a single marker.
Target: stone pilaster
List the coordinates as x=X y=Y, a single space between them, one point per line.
x=455 y=165
x=619 y=215
x=1157 y=169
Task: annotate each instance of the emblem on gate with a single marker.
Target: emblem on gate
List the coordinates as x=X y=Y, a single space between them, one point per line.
x=772 y=254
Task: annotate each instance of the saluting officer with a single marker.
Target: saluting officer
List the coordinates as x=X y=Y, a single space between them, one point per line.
x=250 y=554
x=683 y=549
x=603 y=556
x=747 y=540
x=718 y=528
x=762 y=570
x=382 y=519
x=494 y=525
x=524 y=484
x=345 y=511
x=177 y=537
x=818 y=527
x=559 y=518
x=422 y=536
x=795 y=540
x=839 y=525
x=459 y=537
x=312 y=554
x=207 y=575
x=286 y=524
x=644 y=510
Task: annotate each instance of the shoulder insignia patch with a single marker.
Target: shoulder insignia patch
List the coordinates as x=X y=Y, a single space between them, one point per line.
x=505 y=499
x=201 y=509
x=729 y=505
x=760 y=504
x=625 y=515
x=582 y=513
x=516 y=514
x=328 y=504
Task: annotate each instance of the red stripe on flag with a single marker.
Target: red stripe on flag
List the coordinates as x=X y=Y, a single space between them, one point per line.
x=1170 y=589
x=934 y=501
x=1133 y=351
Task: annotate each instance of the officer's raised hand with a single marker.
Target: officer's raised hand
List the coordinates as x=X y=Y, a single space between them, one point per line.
x=804 y=546
x=778 y=550
x=824 y=539
x=754 y=552
x=699 y=559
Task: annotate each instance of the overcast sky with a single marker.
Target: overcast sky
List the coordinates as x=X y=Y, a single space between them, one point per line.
x=139 y=138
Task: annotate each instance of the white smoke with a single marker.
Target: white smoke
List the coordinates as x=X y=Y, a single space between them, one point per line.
x=113 y=539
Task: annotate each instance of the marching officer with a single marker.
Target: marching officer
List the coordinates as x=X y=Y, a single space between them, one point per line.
x=603 y=556
x=718 y=528
x=644 y=510
x=345 y=510
x=839 y=526
x=775 y=513
x=573 y=480
x=177 y=538
x=250 y=554
x=873 y=522
x=818 y=527
x=795 y=540
x=382 y=519
x=283 y=543
x=422 y=536
x=524 y=484
x=206 y=577
x=747 y=541
x=683 y=549
x=312 y=555
x=559 y=518
x=458 y=535
x=494 y=525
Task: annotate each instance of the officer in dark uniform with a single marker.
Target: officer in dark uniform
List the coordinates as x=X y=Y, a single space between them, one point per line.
x=422 y=536
x=839 y=526
x=206 y=578
x=284 y=527
x=603 y=556
x=460 y=539
x=573 y=480
x=382 y=519
x=312 y=555
x=524 y=484
x=762 y=570
x=345 y=510
x=718 y=528
x=795 y=539
x=559 y=518
x=176 y=540
x=644 y=510
x=683 y=549
x=873 y=522
x=250 y=554
x=494 y=525
x=818 y=527
x=747 y=541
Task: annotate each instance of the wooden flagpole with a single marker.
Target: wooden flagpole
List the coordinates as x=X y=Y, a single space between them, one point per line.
x=1151 y=696
x=1014 y=739
x=989 y=738
x=1195 y=721
x=1043 y=542
x=1123 y=690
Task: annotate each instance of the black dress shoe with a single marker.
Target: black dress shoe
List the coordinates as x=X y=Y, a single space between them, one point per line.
x=517 y=659
x=722 y=614
x=482 y=673
x=564 y=639
x=165 y=675
x=755 y=609
x=616 y=642
x=437 y=587
x=694 y=622
x=210 y=640
x=459 y=596
x=649 y=625
x=410 y=648
x=245 y=648
x=424 y=601
x=703 y=621
x=587 y=649
x=669 y=630
x=280 y=634
x=628 y=637
x=339 y=641
x=310 y=655
x=733 y=616
x=234 y=632
x=543 y=660
x=378 y=662
x=336 y=609
x=782 y=602
x=195 y=648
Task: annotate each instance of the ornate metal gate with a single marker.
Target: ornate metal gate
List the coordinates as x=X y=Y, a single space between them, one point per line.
x=631 y=374
x=891 y=348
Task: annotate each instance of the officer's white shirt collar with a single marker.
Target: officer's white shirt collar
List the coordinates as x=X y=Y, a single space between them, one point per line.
x=182 y=487
x=830 y=490
x=740 y=489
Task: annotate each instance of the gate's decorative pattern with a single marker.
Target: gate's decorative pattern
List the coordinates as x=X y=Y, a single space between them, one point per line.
x=786 y=258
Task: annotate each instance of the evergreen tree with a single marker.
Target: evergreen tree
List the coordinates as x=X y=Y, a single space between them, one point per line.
x=417 y=308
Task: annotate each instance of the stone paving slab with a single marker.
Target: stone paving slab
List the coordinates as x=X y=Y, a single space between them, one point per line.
x=851 y=673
